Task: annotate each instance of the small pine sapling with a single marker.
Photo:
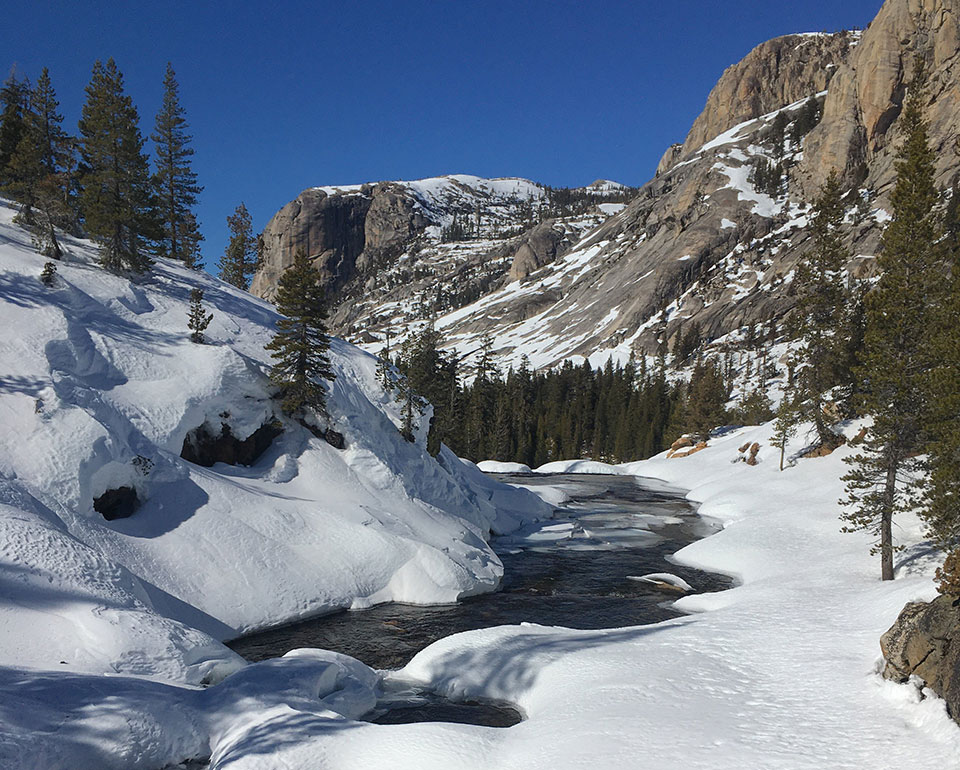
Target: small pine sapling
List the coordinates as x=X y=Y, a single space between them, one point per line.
x=785 y=426
x=199 y=320
x=49 y=274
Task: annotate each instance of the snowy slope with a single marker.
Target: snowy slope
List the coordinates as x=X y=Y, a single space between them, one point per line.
x=780 y=673
x=97 y=371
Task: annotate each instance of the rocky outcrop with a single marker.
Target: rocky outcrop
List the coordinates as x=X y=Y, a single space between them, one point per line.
x=538 y=247
x=925 y=642
x=205 y=446
x=775 y=73
x=858 y=131
x=330 y=229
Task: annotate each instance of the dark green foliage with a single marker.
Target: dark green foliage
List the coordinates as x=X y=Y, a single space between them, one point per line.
x=704 y=400
x=116 y=197
x=616 y=413
x=806 y=120
x=897 y=355
x=14 y=98
x=49 y=274
x=199 y=320
x=239 y=261
x=40 y=172
x=175 y=181
x=453 y=232
x=427 y=376
x=777 y=134
x=685 y=344
x=785 y=426
x=301 y=344
x=825 y=314
x=754 y=408
x=942 y=511
x=767 y=177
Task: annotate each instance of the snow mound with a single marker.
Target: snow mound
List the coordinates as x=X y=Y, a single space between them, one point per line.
x=100 y=386
x=495 y=466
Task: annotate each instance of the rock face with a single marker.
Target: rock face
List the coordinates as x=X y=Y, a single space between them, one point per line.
x=698 y=244
x=443 y=241
x=925 y=642
x=206 y=447
x=776 y=73
x=331 y=229
x=538 y=247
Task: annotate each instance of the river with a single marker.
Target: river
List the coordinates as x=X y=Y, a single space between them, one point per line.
x=574 y=570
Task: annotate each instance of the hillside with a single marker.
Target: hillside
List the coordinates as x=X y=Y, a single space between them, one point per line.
x=103 y=395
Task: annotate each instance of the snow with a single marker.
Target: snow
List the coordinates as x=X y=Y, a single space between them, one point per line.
x=779 y=672
x=612 y=208
x=100 y=386
x=495 y=466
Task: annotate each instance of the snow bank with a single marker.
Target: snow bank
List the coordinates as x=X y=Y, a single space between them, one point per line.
x=578 y=466
x=495 y=466
x=780 y=672
x=99 y=387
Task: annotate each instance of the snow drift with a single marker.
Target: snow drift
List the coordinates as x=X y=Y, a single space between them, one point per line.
x=100 y=385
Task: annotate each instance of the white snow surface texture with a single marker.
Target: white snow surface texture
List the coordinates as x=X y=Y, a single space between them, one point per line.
x=780 y=672
x=97 y=371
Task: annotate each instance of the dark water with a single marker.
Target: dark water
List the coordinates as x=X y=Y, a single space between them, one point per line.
x=571 y=571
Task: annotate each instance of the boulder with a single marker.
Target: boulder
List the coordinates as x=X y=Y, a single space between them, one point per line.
x=925 y=642
x=538 y=247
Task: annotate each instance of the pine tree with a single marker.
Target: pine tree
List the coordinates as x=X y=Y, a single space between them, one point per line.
x=40 y=170
x=116 y=199
x=785 y=426
x=301 y=344
x=239 y=261
x=199 y=320
x=14 y=99
x=896 y=359
x=190 y=239
x=942 y=510
x=822 y=313
x=175 y=181
x=49 y=274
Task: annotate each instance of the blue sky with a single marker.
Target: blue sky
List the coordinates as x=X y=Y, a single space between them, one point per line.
x=286 y=95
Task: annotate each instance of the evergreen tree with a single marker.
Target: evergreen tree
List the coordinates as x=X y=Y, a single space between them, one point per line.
x=942 y=510
x=822 y=314
x=785 y=426
x=116 y=199
x=175 y=181
x=49 y=274
x=199 y=320
x=301 y=344
x=239 y=262
x=900 y=314
x=40 y=170
x=190 y=239
x=14 y=99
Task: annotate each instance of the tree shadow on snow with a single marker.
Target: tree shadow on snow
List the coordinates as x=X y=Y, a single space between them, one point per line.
x=512 y=665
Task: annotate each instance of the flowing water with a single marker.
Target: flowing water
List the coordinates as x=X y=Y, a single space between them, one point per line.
x=574 y=570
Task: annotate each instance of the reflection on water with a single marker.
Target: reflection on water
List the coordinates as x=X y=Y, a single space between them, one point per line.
x=571 y=571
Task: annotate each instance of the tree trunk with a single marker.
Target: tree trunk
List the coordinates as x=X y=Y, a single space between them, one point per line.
x=886 y=523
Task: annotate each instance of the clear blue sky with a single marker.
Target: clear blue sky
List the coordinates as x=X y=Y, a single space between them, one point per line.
x=286 y=95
